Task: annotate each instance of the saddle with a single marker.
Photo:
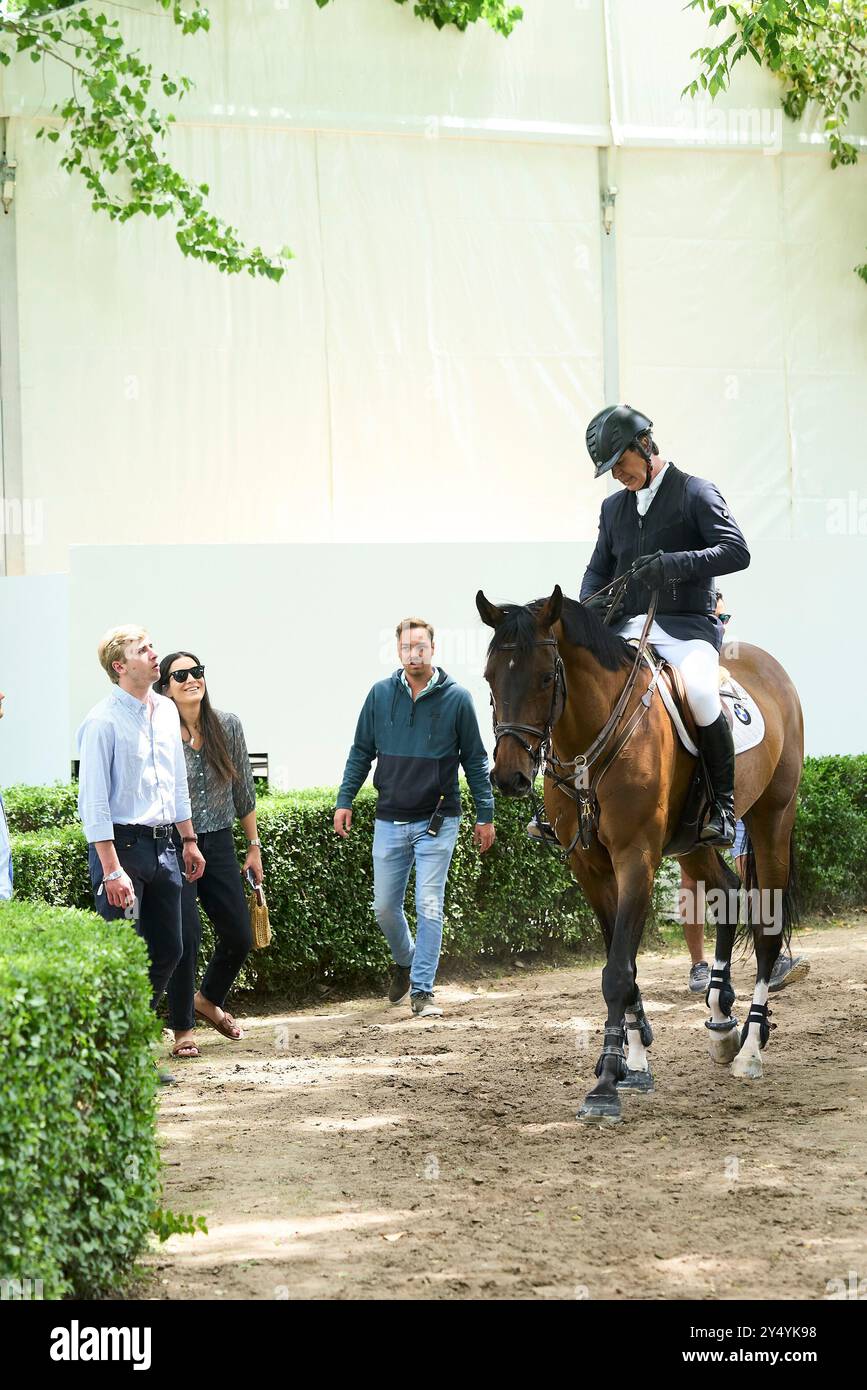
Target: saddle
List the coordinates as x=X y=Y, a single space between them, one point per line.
x=748 y=729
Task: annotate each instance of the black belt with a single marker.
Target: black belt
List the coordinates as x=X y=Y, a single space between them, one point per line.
x=145 y=832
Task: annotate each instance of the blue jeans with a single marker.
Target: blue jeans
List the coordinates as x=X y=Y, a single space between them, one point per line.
x=395 y=849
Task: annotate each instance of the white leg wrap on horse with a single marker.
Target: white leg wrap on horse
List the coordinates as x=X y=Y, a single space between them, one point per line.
x=636 y=1056
x=748 y=1062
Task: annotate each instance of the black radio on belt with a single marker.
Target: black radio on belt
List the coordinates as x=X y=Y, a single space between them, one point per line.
x=435 y=824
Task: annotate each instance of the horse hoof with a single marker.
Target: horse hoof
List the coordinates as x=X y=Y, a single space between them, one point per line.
x=724 y=1047
x=637 y=1081
x=600 y=1109
x=748 y=1068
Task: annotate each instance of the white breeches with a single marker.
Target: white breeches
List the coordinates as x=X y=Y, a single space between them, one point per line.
x=698 y=663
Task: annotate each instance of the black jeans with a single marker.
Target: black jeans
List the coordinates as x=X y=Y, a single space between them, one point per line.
x=155 y=870
x=221 y=893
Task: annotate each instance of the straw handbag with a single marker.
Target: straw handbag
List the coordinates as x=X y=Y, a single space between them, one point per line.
x=259 y=922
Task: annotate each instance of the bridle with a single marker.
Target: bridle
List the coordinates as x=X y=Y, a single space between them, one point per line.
x=558 y=704
x=578 y=784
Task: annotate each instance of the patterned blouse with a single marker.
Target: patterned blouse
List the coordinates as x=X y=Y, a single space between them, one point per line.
x=216 y=803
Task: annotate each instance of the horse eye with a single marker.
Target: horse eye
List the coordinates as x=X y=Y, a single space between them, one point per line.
x=546 y=680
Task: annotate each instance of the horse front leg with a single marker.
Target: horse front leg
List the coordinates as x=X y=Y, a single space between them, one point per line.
x=622 y=998
x=718 y=887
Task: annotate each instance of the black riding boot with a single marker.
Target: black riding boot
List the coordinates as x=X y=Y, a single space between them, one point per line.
x=718 y=751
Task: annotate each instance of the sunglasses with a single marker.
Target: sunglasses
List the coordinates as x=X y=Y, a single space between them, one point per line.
x=195 y=671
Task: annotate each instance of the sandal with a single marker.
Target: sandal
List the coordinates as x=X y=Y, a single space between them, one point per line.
x=186 y=1051
x=224 y=1026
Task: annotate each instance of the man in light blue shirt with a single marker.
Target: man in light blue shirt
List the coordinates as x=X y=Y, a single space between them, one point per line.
x=132 y=791
x=5 y=856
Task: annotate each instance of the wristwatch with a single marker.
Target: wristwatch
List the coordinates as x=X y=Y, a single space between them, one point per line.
x=191 y=839
x=255 y=844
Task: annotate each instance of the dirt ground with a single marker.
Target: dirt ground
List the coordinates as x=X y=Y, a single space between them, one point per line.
x=350 y=1151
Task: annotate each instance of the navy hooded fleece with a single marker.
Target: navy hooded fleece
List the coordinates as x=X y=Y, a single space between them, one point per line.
x=418 y=745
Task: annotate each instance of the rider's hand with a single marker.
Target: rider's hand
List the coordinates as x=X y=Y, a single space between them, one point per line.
x=650 y=570
x=484 y=836
x=603 y=607
x=120 y=891
x=342 y=822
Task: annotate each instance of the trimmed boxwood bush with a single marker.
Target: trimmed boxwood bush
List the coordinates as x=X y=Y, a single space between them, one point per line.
x=517 y=897
x=78 y=1152
x=40 y=808
x=831 y=832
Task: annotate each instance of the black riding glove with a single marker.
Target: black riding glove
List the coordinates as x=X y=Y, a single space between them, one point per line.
x=650 y=570
x=603 y=607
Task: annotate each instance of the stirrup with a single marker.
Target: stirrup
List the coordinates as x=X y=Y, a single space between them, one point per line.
x=718 y=832
x=542 y=830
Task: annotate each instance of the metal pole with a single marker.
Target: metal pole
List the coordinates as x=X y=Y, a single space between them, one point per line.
x=11 y=457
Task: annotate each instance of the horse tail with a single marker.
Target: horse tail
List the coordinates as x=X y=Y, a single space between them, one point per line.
x=791 y=895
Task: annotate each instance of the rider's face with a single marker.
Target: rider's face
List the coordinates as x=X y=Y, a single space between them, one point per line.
x=630 y=470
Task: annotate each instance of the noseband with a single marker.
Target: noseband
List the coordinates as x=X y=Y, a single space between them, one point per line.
x=558 y=704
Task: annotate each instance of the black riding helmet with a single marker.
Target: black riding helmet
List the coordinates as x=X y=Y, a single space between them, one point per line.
x=614 y=430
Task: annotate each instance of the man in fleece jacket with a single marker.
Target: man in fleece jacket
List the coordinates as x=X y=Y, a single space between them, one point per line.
x=419 y=725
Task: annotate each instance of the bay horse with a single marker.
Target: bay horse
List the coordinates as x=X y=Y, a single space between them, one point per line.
x=556 y=673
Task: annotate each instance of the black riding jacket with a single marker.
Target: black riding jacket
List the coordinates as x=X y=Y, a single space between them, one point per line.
x=689 y=521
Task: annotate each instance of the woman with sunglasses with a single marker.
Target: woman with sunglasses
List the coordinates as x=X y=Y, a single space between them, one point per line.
x=221 y=788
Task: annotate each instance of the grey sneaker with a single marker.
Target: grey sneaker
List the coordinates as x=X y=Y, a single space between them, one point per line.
x=399 y=987
x=699 y=978
x=788 y=970
x=423 y=1006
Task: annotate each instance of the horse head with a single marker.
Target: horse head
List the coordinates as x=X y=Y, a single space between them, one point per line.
x=528 y=691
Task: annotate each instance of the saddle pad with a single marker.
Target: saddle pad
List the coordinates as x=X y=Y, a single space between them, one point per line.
x=747 y=721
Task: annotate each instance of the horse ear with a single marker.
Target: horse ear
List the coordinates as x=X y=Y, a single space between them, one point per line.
x=550 y=612
x=489 y=612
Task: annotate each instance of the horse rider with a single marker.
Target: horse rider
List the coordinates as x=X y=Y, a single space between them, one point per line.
x=680 y=531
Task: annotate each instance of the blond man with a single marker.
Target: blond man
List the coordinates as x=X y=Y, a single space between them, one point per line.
x=132 y=792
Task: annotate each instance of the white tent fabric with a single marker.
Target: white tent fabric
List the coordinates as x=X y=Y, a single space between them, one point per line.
x=426 y=369
x=438 y=340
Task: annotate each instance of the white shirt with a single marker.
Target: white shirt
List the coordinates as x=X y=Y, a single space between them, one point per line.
x=645 y=495
x=635 y=626
x=133 y=770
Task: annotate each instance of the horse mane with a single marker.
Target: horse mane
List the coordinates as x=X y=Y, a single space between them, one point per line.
x=580 y=626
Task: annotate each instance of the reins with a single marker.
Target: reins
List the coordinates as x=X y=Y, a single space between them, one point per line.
x=578 y=784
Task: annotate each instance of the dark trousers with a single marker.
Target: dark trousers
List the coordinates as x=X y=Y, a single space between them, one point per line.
x=221 y=893
x=153 y=865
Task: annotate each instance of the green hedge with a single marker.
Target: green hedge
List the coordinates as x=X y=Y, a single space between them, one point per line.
x=831 y=833
x=41 y=808
x=78 y=1151
x=515 y=898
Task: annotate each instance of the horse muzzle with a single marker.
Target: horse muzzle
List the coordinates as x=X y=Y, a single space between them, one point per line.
x=514 y=783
